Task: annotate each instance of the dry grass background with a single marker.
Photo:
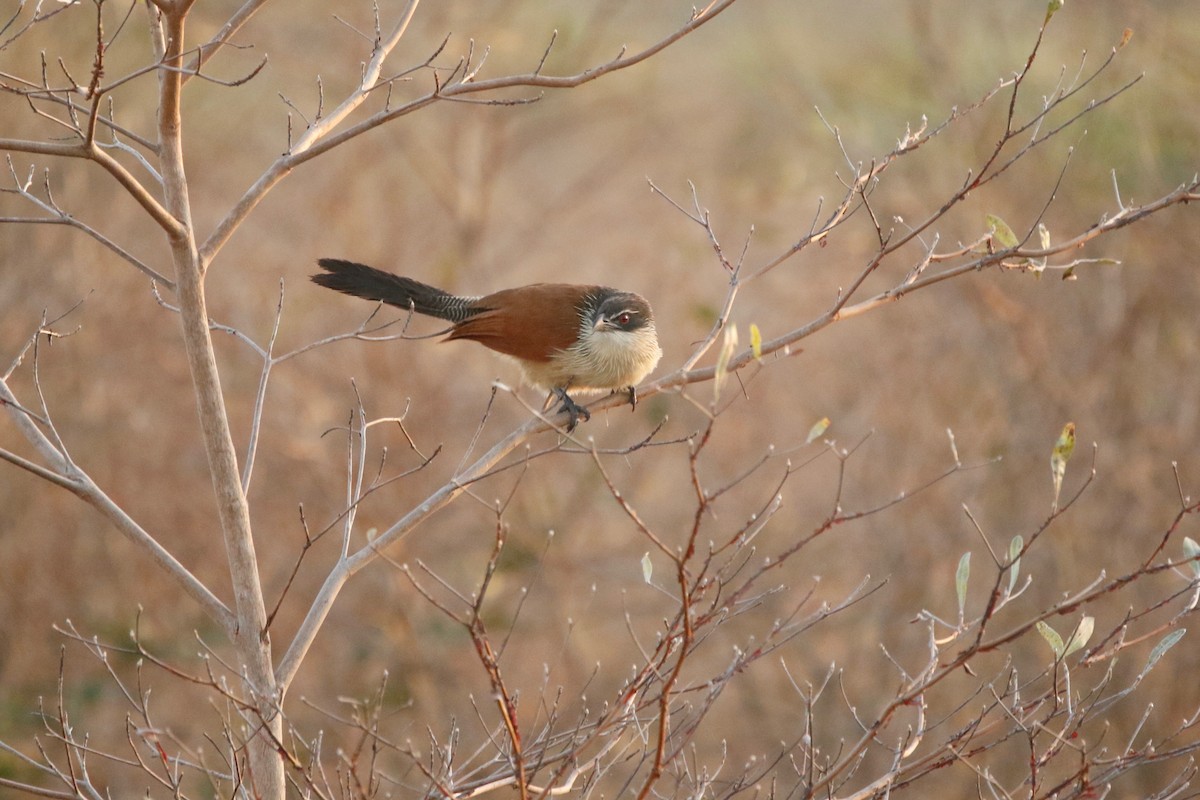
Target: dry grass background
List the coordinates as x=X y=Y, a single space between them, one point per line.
x=478 y=198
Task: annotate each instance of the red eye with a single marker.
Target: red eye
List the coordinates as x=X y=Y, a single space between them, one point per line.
x=623 y=319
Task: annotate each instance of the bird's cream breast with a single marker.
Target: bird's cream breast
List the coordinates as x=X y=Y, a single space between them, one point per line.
x=612 y=359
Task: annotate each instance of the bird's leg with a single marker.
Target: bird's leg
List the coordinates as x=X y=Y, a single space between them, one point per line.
x=575 y=412
x=630 y=392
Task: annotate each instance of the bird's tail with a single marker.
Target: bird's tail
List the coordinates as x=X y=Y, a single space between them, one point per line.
x=369 y=283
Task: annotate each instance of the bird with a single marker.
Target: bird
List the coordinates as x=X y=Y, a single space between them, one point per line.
x=565 y=337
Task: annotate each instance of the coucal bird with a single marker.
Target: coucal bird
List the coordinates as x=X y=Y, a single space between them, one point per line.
x=565 y=337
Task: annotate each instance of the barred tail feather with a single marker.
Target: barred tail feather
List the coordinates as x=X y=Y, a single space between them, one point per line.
x=369 y=283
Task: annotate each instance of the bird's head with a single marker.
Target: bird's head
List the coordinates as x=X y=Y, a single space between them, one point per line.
x=621 y=312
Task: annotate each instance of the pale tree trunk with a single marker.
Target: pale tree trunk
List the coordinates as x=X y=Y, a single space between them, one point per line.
x=266 y=778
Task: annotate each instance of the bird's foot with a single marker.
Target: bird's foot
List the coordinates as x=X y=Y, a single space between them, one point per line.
x=575 y=412
x=631 y=392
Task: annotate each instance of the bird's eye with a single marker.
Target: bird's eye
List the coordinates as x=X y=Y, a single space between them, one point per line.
x=623 y=318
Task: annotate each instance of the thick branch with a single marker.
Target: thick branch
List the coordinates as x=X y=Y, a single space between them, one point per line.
x=346 y=567
x=63 y=472
x=222 y=37
x=91 y=152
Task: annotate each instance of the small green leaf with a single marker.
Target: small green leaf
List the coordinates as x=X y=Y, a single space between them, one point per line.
x=1001 y=232
x=961 y=576
x=1052 y=7
x=647 y=567
x=727 y=349
x=1014 y=555
x=1191 y=550
x=1160 y=649
x=1052 y=638
x=756 y=341
x=1082 y=633
x=1059 y=456
x=819 y=427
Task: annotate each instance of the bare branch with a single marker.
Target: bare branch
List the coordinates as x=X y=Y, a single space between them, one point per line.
x=91 y=152
x=320 y=138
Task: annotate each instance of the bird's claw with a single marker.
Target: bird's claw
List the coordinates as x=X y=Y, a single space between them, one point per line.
x=631 y=393
x=575 y=412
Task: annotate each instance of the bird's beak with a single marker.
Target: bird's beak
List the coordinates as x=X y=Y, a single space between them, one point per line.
x=602 y=324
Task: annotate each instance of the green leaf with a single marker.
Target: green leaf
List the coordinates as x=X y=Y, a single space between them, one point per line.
x=1082 y=633
x=647 y=567
x=961 y=576
x=756 y=341
x=818 y=428
x=1052 y=7
x=1160 y=649
x=727 y=348
x=1059 y=456
x=1014 y=555
x=1191 y=550
x=1001 y=232
x=1052 y=638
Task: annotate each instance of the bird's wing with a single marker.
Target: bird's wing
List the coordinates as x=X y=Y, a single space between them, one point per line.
x=533 y=323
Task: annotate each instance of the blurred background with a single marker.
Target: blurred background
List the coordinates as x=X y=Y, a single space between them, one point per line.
x=476 y=198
